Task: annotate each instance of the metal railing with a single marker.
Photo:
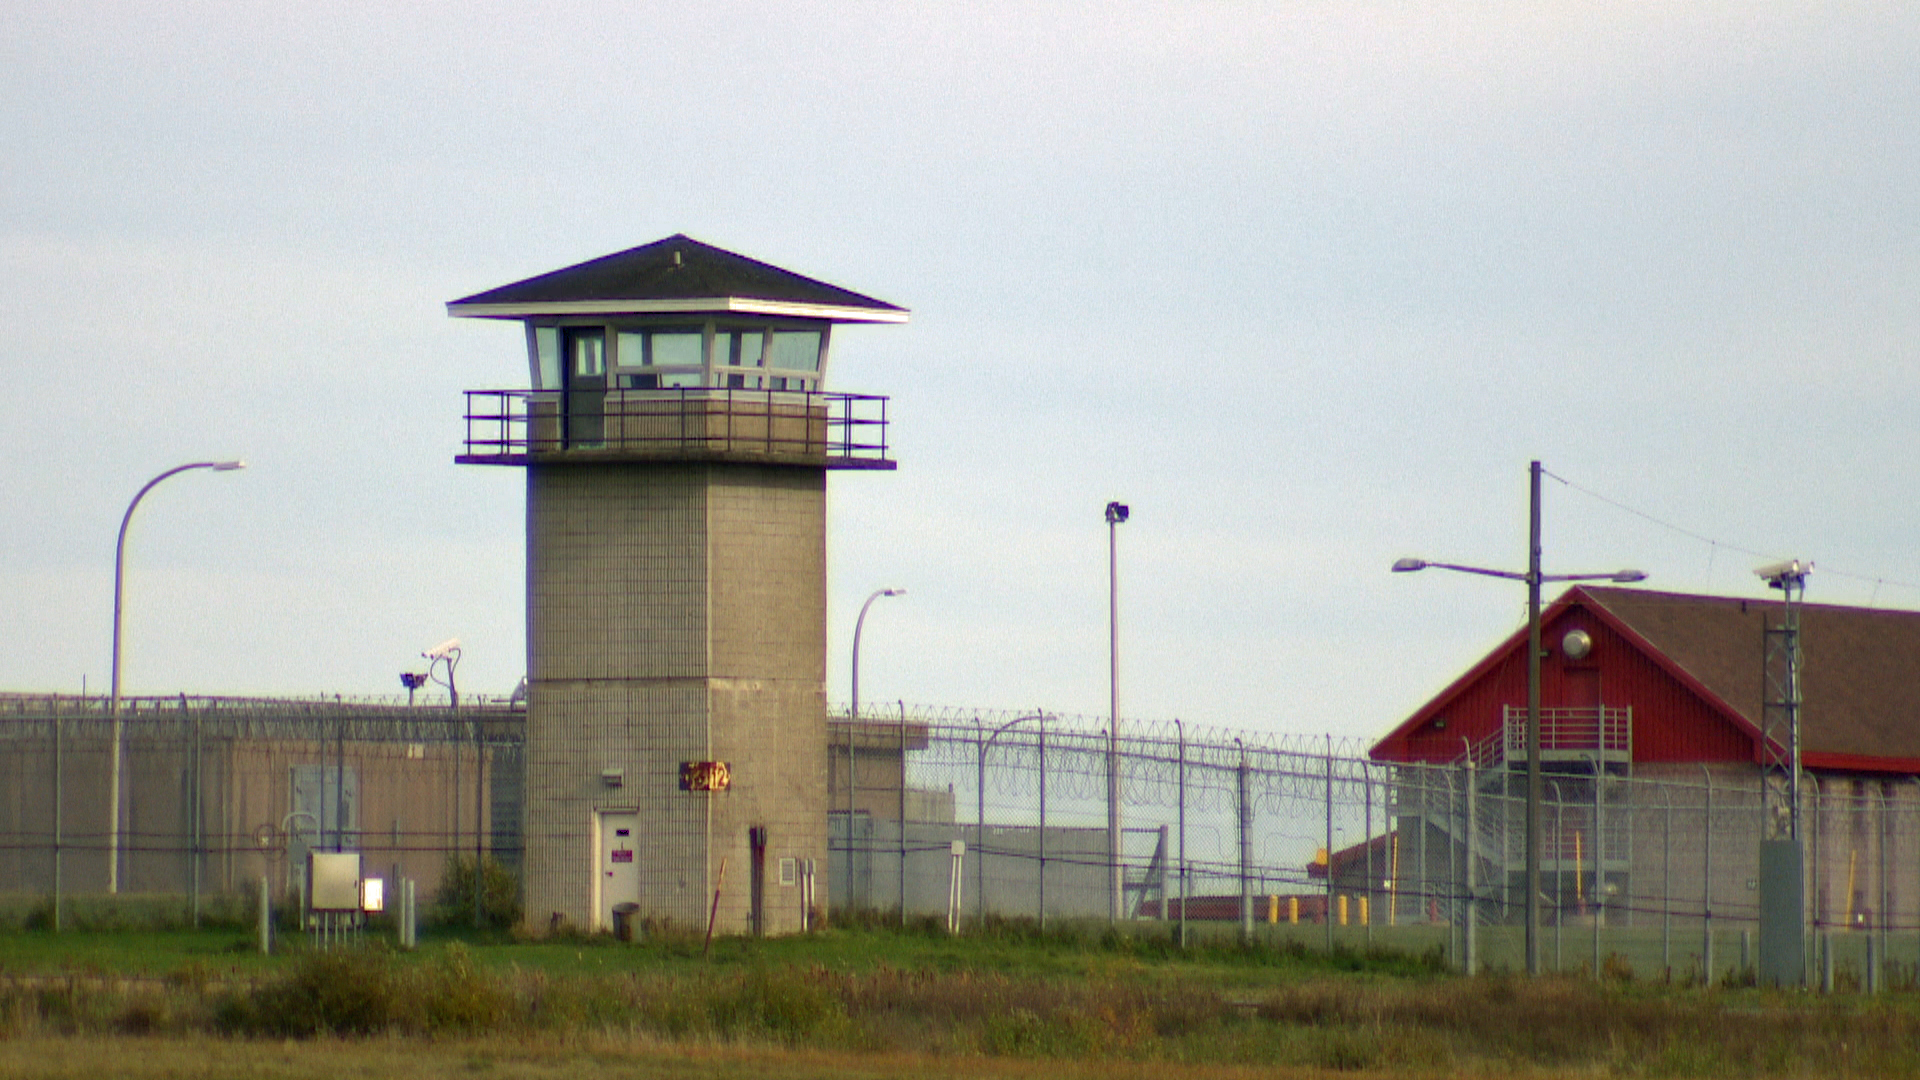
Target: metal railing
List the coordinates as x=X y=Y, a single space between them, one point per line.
x=1606 y=729
x=838 y=431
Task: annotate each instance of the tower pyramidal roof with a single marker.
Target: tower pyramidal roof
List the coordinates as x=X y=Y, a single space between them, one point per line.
x=676 y=275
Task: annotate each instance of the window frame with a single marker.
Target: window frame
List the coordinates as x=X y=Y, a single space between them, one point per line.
x=711 y=373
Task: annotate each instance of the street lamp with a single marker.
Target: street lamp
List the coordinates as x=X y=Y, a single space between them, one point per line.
x=980 y=818
x=1533 y=577
x=853 y=720
x=113 y=706
x=1117 y=513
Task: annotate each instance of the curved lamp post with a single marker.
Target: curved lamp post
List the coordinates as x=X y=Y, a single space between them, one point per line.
x=980 y=816
x=853 y=719
x=1533 y=577
x=113 y=706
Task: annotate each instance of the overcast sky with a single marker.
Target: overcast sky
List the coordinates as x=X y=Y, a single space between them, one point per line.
x=1306 y=284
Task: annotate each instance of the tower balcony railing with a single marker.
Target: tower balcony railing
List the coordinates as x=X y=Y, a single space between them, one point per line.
x=523 y=427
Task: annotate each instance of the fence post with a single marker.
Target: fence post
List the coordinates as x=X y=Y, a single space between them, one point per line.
x=1884 y=915
x=59 y=809
x=1706 y=884
x=1599 y=857
x=979 y=837
x=1814 y=853
x=479 y=814
x=265 y=926
x=1329 y=908
x=1043 y=819
x=1240 y=805
x=852 y=729
x=874 y=840
x=197 y=838
x=1559 y=878
x=1180 y=797
x=1426 y=805
x=1666 y=881
x=1471 y=905
x=1451 y=885
x=1366 y=838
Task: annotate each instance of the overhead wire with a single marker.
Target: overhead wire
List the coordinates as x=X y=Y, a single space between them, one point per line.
x=1715 y=545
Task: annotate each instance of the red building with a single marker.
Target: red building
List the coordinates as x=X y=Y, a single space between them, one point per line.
x=1663 y=696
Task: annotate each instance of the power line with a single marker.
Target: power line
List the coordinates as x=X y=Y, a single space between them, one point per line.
x=1716 y=544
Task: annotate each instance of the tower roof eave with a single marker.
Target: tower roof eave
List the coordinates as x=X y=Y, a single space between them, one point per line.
x=676 y=275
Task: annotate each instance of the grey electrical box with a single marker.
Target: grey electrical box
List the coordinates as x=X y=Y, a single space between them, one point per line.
x=336 y=880
x=1783 y=920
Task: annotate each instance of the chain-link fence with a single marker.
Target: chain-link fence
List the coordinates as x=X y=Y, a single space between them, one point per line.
x=1648 y=866
x=1652 y=868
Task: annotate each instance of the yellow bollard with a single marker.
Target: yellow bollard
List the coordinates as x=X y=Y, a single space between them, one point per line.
x=1343 y=909
x=1366 y=916
x=1293 y=910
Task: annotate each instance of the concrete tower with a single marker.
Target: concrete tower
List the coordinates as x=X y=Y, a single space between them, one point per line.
x=676 y=442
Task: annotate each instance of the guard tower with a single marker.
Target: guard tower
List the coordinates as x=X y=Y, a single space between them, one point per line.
x=676 y=442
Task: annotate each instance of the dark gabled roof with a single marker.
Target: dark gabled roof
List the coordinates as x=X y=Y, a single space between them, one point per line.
x=1859 y=675
x=1859 y=672
x=675 y=275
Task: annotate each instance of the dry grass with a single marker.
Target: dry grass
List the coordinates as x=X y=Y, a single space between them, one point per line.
x=500 y=1059
x=966 y=1009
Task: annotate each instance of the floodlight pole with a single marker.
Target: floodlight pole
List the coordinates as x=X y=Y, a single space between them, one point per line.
x=113 y=706
x=1116 y=900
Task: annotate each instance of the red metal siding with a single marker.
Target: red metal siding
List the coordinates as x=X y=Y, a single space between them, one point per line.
x=1473 y=715
x=1672 y=722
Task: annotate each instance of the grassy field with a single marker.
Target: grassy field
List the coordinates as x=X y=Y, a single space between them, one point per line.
x=873 y=1001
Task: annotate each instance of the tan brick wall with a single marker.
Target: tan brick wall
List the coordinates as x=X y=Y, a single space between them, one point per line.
x=676 y=612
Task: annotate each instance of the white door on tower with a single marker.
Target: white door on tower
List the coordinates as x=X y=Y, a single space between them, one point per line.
x=619 y=863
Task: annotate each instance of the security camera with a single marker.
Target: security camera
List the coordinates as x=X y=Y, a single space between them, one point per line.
x=1116 y=513
x=1777 y=574
x=443 y=650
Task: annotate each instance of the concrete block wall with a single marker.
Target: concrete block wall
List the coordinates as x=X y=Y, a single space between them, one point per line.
x=768 y=695
x=676 y=612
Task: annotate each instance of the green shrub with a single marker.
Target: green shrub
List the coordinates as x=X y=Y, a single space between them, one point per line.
x=790 y=1005
x=455 y=995
x=370 y=991
x=453 y=899
x=340 y=992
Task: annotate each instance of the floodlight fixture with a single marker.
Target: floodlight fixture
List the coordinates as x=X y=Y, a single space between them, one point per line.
x=1788 y=573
